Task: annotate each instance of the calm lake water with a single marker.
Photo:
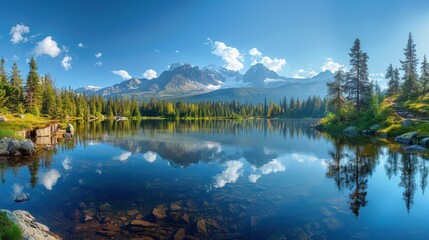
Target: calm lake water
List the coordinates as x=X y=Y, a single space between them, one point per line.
x=253 y=179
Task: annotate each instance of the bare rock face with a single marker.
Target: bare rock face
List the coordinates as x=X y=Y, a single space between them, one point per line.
x=30 y=228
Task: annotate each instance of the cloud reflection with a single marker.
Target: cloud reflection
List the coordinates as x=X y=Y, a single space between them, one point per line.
x=149 y=156
x=66 y=163
x=123 y=157
x=271 y=167
x=50 y=178
x=230 y=174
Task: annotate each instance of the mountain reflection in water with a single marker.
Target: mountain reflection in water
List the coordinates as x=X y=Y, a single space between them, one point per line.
x=260 y=178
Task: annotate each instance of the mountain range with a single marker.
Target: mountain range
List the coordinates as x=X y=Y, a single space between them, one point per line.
x=214 y=83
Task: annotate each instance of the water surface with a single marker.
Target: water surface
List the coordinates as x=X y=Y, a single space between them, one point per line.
x=260 y=179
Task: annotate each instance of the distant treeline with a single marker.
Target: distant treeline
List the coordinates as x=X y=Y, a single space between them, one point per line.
x=40 y=97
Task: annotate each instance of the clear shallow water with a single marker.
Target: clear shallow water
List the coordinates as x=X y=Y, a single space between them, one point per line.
x=247 y=179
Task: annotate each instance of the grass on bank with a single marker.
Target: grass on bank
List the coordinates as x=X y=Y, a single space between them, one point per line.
x=384 y=114
x=8 y=229
x=15 y=123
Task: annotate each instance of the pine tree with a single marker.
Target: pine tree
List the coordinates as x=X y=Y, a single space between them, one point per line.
x=15 y=78
x=335 y=91
x=357 y=83
x=424 y=78
x=32 y=89
x=3 y=75
x=393 y=76
x=409 y=66
x=48 y=96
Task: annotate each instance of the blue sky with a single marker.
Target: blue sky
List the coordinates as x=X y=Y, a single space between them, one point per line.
x=294 y=38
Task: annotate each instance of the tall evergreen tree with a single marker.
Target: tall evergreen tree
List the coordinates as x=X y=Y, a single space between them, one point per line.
x=336 y=91
x=15 y=78
x=424 y=78
x=3 y=75
x=358 y=86
x=409 y=66
x=32 y=89
x=393 y=84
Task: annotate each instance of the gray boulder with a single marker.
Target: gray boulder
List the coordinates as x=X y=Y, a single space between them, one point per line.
x=406 y=138
x=415 y=148
x=424 y=142
x=3 y=119
x=375 y=127
x=26 y=147
x=13 y=147
x=4 y=145
x=351 y=131
x=407 y=123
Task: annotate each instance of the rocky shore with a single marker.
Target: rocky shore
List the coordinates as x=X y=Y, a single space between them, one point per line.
x=31 y=229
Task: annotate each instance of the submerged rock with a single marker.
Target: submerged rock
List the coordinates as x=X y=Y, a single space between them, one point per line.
x=375 y=127
x=201 y=227
x=132 y=212
x=105 y=207
x=175 y=206
x=406 y=138
x=159 y=212
x=180 y=234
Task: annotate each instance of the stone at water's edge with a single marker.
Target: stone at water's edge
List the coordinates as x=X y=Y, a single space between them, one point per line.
x=351 y=131
x=415 y=148
x=424 y=142
x=3 y=119
x=30 y=228
x=406 y=138
x=14 y=147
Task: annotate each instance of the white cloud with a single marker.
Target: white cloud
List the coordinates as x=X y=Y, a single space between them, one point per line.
x=50 y=178
x=149 y=156
x=98 y=171
x=255 y=52
x=330 y=65
x=301 y=73
x=124 y=74
x=272 y=167
x=67 y=163
x=17 y=32
x=156 y=50
x=47 y=46
x=230 y=55
x=150 y=74
x=177 y=51
x=15 y=58
x=253 y=178
x=123 y=157
x=66 y=62
x=275 y=64
x=98 y=55
x=230 y=174
x=80 y=45
x=98 y=64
